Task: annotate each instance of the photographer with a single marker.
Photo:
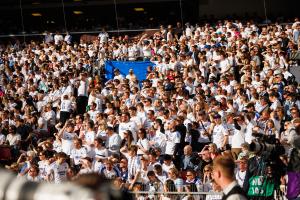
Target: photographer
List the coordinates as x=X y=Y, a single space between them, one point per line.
x=265 y=168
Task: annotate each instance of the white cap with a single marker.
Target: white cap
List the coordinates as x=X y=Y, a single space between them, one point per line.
x=276 y=72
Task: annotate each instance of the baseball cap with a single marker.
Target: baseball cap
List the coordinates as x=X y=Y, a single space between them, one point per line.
x=100 y=156
x=242 y=158
x=217 y=116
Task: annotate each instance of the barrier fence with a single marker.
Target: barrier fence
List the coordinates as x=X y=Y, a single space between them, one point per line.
x=96 y=32
x=176 y=195
x=156 y=191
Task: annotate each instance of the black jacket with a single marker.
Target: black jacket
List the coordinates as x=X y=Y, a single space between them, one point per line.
x=191 y=162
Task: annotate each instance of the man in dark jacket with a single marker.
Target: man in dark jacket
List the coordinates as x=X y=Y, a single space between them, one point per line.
x=189 y=160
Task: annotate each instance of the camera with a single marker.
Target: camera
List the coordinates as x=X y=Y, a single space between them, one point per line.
x=258 y=147
x=266 y=144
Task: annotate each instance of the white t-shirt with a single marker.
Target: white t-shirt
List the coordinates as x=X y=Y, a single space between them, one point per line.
x=67 y=91
x=83 y=88
x=240 y=177
x=43 y=169
x=146 y=51
x=137 y=120
x=275 y=105
x=132 y=53
x=59 y=171
x=224 y=65
x=100 y=153
x=2 y=138
x=98 y=102
x=219 y=132
x=89 y=137
x=128 y=126
x=42 y=124
x=159 y=141
x=66 y=105
x=103 y=37
x=68 y=39
x=77 y=154
x=13 y=139
x=34 y=179
x=144 y=144
x=55 y=96
x=97 y=166
x=50 y=117
x=93 y=115
x=202 y=129
x=67 y=142
x=248 y=134
x=57 y=146
x=238 y=137
x=109 y=174
x=58 y=38
x=173 y=138
x=166 y=168
x=134 y=164
x=113 y=143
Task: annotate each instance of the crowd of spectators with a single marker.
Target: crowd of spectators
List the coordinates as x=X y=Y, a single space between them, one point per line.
x=214 y=89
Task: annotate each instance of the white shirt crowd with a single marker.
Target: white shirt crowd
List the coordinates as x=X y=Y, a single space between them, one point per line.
x=210 y=85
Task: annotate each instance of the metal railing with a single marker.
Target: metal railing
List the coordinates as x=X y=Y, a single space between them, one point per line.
x=98 y=31
x=79 y=32
x=176 y=195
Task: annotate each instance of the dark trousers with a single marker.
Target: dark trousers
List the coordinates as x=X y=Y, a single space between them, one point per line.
x=64 y=116
x=81 y=103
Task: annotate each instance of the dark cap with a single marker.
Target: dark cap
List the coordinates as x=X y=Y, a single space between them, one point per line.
x=217 y=116
x=249 y=105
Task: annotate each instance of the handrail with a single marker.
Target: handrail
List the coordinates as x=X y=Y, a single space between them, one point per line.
x=98 y=31
x=178 y=193
x=78 y=32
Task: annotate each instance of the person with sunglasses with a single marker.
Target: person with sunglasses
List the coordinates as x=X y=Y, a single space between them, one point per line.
x=33 y=174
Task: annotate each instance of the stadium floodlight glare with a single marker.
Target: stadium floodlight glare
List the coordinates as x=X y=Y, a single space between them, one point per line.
x=139 y=9
x=77 y=12
x=36 y=14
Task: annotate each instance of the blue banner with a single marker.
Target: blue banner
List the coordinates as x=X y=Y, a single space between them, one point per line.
x=139 y=68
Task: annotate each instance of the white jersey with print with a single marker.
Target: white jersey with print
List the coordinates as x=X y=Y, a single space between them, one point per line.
x=66 y=105
x=77 y=154
x=219 y=132
x=67 y=142
x=59 y=171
